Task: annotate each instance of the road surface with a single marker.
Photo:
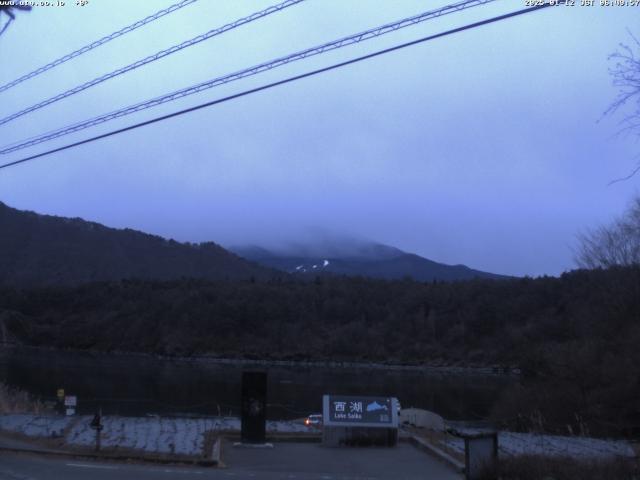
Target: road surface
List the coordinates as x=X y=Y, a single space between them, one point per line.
x=284 y=461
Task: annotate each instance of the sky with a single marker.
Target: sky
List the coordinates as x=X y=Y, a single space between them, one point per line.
x=486 y=148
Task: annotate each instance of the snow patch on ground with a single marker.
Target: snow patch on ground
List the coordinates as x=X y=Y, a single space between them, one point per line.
x=287 y=427
x=157 y=435
x=34 y=426
x=186 y=436
x=180 y=436
x=512 y=444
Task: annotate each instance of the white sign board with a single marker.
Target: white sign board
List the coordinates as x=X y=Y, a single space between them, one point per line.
x=360 y=411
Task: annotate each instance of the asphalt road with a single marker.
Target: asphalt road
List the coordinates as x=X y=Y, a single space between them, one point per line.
x=284 y=461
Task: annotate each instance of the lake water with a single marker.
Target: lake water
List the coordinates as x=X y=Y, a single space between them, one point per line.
x=139 y=385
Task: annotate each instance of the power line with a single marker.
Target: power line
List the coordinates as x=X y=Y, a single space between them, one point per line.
x=97 y=43
x=247 y=72
x=153 y=58
x=285 y=81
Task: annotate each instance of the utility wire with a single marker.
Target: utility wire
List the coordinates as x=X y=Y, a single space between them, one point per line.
x=153 y=58
x=247 y=72
x=97 y=43
x=285 y=81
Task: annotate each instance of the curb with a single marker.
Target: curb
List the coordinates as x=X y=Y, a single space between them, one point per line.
x=216 y=453
x=436 y=452
x=295 y=439
x=286 y=438
x=201 y=462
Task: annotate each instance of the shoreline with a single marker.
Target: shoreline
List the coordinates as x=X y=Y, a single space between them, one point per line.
x=426 y=368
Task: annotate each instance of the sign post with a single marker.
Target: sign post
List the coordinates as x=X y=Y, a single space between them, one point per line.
x=70 y=404
x=60 y=403
x=96 y=424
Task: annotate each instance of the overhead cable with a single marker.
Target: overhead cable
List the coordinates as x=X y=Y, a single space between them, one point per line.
x=97 y=43
x=247 y=72
x=152 y=58
x=280 y=82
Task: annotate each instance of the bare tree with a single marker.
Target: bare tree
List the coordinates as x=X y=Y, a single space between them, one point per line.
x=626 y=77
x=625 y=73
x=617 y=244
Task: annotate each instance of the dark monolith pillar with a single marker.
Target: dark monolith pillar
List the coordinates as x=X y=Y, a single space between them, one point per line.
x=254 y=407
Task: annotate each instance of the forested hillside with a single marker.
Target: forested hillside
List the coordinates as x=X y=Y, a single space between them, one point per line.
x=575 y=337
x=45 y=250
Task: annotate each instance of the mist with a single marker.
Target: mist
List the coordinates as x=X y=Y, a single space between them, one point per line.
x=487 y=148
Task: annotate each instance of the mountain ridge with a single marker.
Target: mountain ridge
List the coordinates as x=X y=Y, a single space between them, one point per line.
x=38 y=249
x=367 y=259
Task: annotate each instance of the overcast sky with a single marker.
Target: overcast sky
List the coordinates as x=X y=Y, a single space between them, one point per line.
x=485 y=148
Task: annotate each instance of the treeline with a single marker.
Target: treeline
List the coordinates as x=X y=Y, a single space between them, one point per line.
x=575 y=338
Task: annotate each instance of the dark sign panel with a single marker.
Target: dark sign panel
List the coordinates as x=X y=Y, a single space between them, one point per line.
x=254 y=407
x=351 y=409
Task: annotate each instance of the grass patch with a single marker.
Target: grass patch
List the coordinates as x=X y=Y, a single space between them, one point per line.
x=13 y=400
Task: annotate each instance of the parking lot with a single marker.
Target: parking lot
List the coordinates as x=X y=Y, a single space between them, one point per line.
x=311 y=460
